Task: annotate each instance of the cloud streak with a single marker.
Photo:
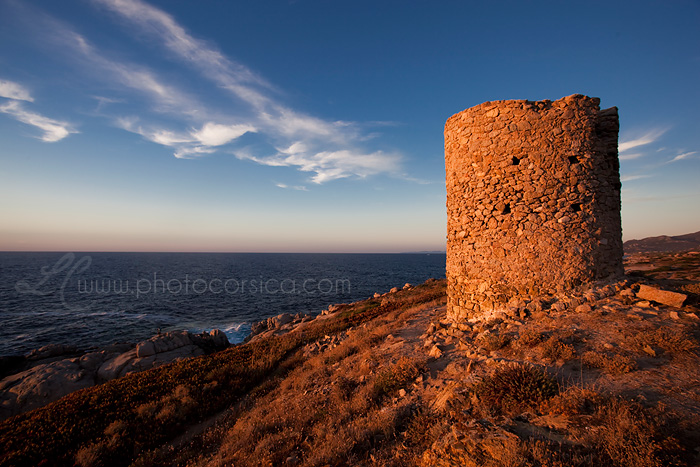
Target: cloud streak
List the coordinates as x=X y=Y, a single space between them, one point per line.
x=231 y=75
x=292 y=187
x=15 y=91
x=195 y=142
x=53 y=130
x=629 y=178
x=167 y=98
x=328 y=149
x=629 y=157
x=645 y=139
x=680 y=157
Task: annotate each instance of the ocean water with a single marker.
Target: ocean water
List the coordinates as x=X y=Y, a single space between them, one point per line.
x=94 y=299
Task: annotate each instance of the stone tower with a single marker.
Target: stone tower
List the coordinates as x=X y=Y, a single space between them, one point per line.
x=533 y=201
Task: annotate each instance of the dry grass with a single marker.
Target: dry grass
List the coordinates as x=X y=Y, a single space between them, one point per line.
x=322 y=417
x=672 y=340
x=530 y=338
x=632 y=436
x=157 y=410
x=613 y=364
x=553 y=349
x=340 y=406
x=573 y=401
x=397 y=376
x=545 y=453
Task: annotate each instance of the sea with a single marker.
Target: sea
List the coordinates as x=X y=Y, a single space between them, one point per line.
x=94 y=299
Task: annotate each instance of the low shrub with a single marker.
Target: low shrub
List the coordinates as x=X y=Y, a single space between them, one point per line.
x=672 y=340
x=615 y=364
x=530 y=338
x=493 y=341
x=554 y=349
x=632 y=436
x=512 y=389
x=396 y=377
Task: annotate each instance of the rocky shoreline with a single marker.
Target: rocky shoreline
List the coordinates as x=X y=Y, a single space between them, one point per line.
x=49 y=373
x=45 y=375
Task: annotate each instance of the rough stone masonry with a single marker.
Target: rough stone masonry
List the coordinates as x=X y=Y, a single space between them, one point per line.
x=533 y=201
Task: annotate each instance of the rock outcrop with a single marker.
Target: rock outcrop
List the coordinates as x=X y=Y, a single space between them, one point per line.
x=665 y=297
x=55 y=371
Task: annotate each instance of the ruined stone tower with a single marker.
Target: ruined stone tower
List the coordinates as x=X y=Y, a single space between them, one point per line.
x=533 y=201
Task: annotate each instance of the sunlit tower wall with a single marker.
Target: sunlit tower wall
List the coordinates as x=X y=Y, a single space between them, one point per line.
x=533 y=201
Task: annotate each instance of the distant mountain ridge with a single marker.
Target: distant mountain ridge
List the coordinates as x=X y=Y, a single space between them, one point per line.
x=663 y=243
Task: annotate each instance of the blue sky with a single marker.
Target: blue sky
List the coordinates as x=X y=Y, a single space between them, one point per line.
x=253 y=125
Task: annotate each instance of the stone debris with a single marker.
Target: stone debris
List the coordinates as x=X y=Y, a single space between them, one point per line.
x=435 y=352
x=661 y=296
x=327 y=343
x=475 y=444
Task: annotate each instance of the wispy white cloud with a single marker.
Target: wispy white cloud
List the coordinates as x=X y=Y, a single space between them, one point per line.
x=215 y=134
x=229 y=74
x=330 y=165
x=104 y=101
x=328 y=149
x=196 y=142
x=629 y=178
x=15 y=91
x=643 y=140
x=629 y=157
x=291 y=187
x=165 y=97
x=53 y=130
x=680 y=157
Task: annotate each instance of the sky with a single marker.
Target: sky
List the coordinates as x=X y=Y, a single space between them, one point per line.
x=313 y=126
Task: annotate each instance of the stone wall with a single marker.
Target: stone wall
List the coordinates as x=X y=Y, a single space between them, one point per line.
x=533 y=201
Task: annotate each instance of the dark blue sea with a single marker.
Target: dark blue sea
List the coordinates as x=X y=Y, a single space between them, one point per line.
x=94 y=299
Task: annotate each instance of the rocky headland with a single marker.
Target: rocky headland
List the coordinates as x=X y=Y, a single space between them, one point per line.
x=604 y=375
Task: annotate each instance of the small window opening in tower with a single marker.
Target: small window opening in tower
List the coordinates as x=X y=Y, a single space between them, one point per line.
x=573 y=160
x=576 y=207
x=506 y=209
x=516 y=161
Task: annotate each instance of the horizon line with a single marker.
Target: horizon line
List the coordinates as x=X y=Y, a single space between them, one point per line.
x=239 y=252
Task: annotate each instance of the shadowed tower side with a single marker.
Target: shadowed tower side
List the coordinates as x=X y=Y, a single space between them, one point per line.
x=533 y=201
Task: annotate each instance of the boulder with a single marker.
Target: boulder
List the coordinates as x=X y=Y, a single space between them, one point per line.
x=92 y=361
x=111 y=369
x=41 y=385
x=664 y=297
x=219 y=338
x=47 y=382
x=51 y=350
x=258 y=327
x=145 y=349
x=278 y=321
